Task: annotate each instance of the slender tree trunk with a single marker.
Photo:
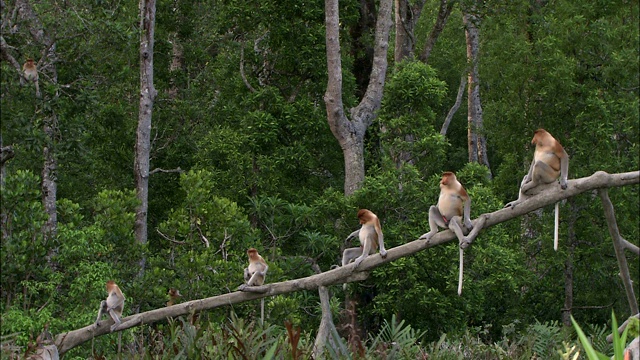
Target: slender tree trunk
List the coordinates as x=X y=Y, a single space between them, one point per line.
x=362 y=50
x=6 y=153
x=405 y=19
x=350 y=133
x=456 y=105
x=143 y=134
x=568 y=265
x=50 y=121
x=49 y=177
x=477 y=143
x=177 y=58
x=441 y=21
x=619 y=247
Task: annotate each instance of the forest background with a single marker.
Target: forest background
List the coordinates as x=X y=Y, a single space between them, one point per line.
x=242 y=155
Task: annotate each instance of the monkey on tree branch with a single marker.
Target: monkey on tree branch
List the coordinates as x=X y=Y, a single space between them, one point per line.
x=600 y=180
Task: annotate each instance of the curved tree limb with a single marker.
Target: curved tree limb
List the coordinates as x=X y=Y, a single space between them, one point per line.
x=599 y=180
x=456 y=105
x=443 y=15
x=350 y=132
x=618 y=245
x=622 y=327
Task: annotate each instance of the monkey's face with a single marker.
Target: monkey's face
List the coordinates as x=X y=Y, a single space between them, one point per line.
x=539 y=137
x=253 y=254
x=110 y=285
x=534 y=140
x=447 y=179
x=364 y=216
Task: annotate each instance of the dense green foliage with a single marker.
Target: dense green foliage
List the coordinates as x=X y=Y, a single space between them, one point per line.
x=260 y=168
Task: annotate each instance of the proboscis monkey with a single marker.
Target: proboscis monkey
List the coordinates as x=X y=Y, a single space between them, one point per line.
x=453 y=203
x=255 y=274
x=113 y=305
x=30 y=73
x=174 y=294
x=550 y=160
x=370 y=236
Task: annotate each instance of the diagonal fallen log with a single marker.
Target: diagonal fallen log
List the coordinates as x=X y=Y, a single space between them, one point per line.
x=551 y=195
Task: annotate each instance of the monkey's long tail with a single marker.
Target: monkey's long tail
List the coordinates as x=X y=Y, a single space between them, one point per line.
x=555 y=230
x=461 y=272
x=262 y=311
x=119 y=344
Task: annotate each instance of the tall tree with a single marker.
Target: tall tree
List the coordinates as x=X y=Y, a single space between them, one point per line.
x=441 y=20
x=46 y=64
x=350 y=132
x=407 y=16
x=477 y=142
x=143 y=134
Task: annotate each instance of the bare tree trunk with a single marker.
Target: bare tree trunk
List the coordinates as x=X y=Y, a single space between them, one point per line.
x=568 y=266
x=177 y=56
x=49 y=177
x=454 y=108
x=477 y=143
x=143 y=134
x=405 y=20
x=350 y=133
x=327 y=328
x=406 y=17
x=6 y=153
x=619 y=246
x=441 y=21
x=50 y=121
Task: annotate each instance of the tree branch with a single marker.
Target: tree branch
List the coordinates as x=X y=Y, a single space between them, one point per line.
x=443 y=15
x=244 y=77
x=456 y=105
x=4 y=54
x=618 y=245
x=176 y=170
x=599 y=180
x=6 y=153
x=622 y=327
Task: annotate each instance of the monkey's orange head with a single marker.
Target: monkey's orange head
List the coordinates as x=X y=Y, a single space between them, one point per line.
x=174 y=292
x=364 y=215
x=110 y=284
x=447 y=177
x=539 y=136
x=252 y=252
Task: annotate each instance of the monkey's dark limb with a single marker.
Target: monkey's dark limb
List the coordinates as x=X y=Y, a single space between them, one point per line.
x=467 y=240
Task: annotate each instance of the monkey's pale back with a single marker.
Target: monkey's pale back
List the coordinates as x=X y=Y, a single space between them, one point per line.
x=550 y=158
x=115 y=300
x=370 y=231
